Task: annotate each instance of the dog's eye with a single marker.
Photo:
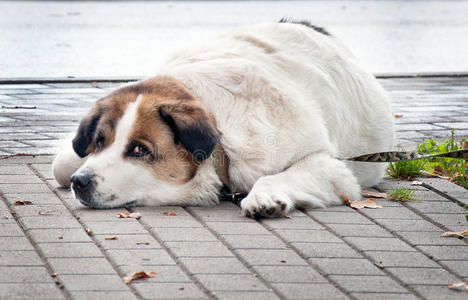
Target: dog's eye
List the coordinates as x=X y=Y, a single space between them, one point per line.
x=139 y=151
x=99 y=143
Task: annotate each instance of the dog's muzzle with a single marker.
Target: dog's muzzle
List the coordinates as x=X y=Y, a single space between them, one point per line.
x=83 y=186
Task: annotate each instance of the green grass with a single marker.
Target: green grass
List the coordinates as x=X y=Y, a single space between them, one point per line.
x=454 y=169
x=401 y=195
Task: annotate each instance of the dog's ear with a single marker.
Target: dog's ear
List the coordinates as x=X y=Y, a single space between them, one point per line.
x=193 y=127
x=86 y=130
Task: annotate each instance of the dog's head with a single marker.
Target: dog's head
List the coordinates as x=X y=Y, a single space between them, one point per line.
x=143 y=142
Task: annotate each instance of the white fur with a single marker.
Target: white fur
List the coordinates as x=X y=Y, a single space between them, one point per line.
x=288 y=100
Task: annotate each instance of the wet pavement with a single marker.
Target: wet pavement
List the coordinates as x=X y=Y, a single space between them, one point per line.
x=59 y=39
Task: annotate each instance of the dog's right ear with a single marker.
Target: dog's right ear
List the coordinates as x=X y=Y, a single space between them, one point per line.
x=86 y=130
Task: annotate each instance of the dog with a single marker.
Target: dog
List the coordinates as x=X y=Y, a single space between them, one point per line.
x=266 y=109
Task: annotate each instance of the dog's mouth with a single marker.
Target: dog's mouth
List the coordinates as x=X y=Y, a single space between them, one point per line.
x=100 y=203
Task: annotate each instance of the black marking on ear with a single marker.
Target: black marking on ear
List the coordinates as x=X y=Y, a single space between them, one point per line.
x=85 y=134
x=305 y=23
x=198 y=138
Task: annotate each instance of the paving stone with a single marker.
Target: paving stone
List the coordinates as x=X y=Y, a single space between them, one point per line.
x=237 y=228
x=19 y=179
x=10 y=243
x=292 y=223
x=96 y=295
x=20 y=258
x=309 y=291
x=304 y=235
x=401 y=259
x=46 y=198
x=15 y=170
x=325 y=250
x=407 y=225
x=173 y=221
x=12 y=188
x=123 y=226
x=214 y=265
x=449 y=220
x=128 y=241
x=163 y=273
x=165 y=290
x=140 y=257
x=257 y=242
x=430 y=276
x=376 y=284
x=183 y=234
x=10 y=230
x=64 y=235
x=250 y=295
x=432 y=292
x=376 y=244
x=224 y=212
x=288 y=274
x=347 y=230
x=447 y=207
x=396 y=213
x=44 y=291
x=429 y=238
x=36 y=210
x=345 y=266
x=231 y=282
x=446 y=252
x=460 y=267
x=56 y=250
x=93 y=282
x=198 y=249
x=24 y=274
x=352 y=217
x=160 y=211
x=267 y=257
x=37 y=222
x=384 y=296
x=81 y=265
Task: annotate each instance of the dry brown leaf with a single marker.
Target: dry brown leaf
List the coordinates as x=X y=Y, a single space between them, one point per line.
x=171 y=214
x=358 y=204
x=126 y=215
x=89 y=231
x=138 y=275
x=463 y=284
x=20 y=202
x=46 y=212
x=110 y=238
x=455 y=233
x=366 y=193
x=464 y=145
x=397 y=116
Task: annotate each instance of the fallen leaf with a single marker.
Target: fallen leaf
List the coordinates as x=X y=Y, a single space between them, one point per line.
x=455 y=233
x=181 y=289
x=170 y=214
x=358 y=204
x=88 y=231
x=20 y=202
x=46 y=212
x=459 y=284
x=416 y=183
x=283 y=261
x=53 y=274
x=110 y=238
x=126 y=215
x=138 y=275
x=366 y=193
x=397 y=116
x=142 y=243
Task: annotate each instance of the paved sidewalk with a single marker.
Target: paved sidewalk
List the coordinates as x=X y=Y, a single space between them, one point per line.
x=56 y=248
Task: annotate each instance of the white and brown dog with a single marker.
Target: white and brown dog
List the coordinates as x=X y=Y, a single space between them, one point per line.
x=265 y=109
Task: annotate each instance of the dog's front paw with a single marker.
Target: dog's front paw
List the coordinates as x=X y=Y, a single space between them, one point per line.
x=258 y=205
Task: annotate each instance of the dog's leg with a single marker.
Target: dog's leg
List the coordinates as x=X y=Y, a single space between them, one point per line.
x=316 y=181
x=66 y=163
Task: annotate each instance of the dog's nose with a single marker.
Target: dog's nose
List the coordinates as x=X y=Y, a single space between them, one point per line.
x=81 y=181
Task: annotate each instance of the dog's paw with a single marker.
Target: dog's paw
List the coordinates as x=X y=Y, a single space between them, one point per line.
x=258 y=205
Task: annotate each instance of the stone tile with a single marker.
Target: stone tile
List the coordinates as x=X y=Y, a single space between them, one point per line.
x=289 y=274
x=309 y=291
x=35 y=210
x=250 y=295
x=44 y=291
x=376 y=244
x=12 y=188
x=376 y=284
x=231 y=282
x=19 y=179
x=258 y=242
x=163 y=273
x=46 y=235
x=169 y=291
x=325 y=250
x=345 y=266
x=10 y=243
x=46 y=198
x=56 y=250
x=20 y=258
x=123 y=226
x=183 y=234
x=347 y=230
x=430 y=276
x=81 y=265
x=447 y=207
x=396 y=213
x=309 y=236
x=224 y=212
x=45 y=222
x=408 y=225
x=401 y=259
x=92 y=282
x=264 y=257
x=384 y=296
x=173 y=221
x=99 y=295
x=24 y=274
x=460 y=267
x=140 y=257
x=214 y=265
x=198 y=249
x=351 y=217
x=292 y=223
x=236 y=228
x=446 y=252
x=128 y=241
x=432 y=292
x=10 y=230
x=449 y=220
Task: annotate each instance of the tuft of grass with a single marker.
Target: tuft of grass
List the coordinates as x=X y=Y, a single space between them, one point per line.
x=407 y=169
x=401 y=195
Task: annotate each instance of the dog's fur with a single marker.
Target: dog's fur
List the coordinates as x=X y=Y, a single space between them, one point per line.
x=271 y=105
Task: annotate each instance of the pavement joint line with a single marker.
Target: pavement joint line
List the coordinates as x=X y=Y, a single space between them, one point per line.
x=241 y=259
x=395 y=232
x=58 y=283
x=368 y=258
x=445 y=195
x=184 y=269
x=95 y=241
